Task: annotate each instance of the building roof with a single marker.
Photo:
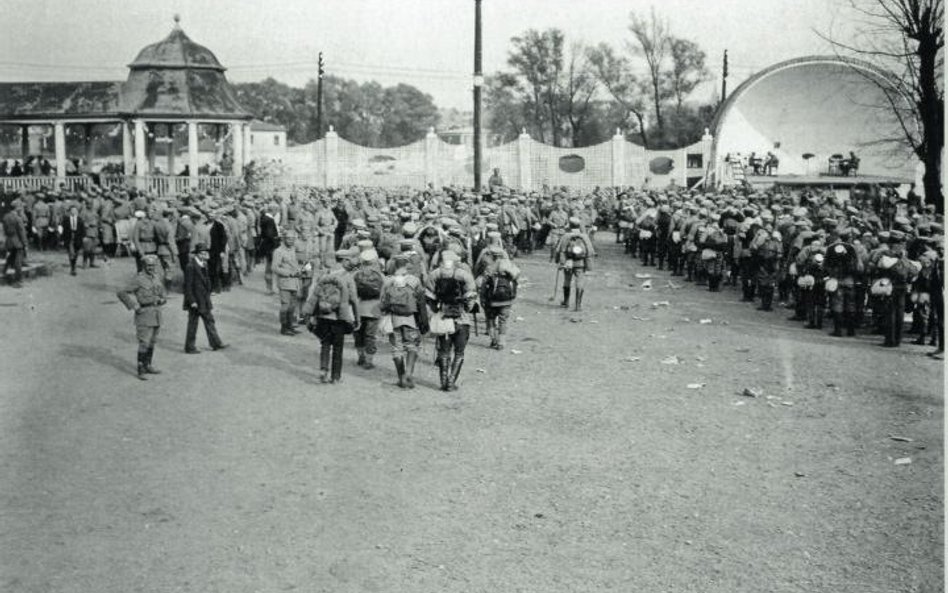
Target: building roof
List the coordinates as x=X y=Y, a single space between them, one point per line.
x=174 y=78
x=59 y=99
x=176 y=51
x=265 y=126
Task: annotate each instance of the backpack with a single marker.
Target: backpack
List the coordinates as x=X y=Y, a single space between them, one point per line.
x=576 y=248
x=400 y=300
x=501 y=287
x=368 y=283
x=328 y=295
x=449 y=291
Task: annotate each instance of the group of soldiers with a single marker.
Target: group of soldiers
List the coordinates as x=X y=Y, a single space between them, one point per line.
x=404 y=264
x=860 y=260
x=339 y=261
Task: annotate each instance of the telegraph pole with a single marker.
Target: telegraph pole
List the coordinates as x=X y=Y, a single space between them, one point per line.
x=478 y=83
x=724 y=79
x=319 y=99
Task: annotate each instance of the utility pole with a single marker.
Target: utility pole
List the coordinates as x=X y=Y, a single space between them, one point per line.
x=724 y=79
x=478 y=83
x=319 y=99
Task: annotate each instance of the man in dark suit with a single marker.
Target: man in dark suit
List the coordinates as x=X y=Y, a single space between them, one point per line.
x=218 y=250
x=74 y=230
x=197 y=301
x=14 y=228
x=269 y=240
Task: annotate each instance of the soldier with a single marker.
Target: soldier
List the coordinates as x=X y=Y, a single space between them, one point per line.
x=287 y=270
x=403 y=300
x=369 y=280
x=166 y=249
x=41 y=222
x=142 y=238
x=14 y=229
x=325 y=224
x=182 y=239
x=497 y=283
x=842 y=267
x=334 y=304
x=91 y=241
x=572 y=255
x=145 y=297
x=558 y=223
x=452 y=292
x=900 y=272
x=768 y=251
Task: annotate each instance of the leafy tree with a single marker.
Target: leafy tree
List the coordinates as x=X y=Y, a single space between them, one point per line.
x=652 y=43
x=615 y=74
x=687 y=69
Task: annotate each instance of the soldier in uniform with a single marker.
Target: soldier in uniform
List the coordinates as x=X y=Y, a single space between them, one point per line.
x=287 y=270
x=145 y=297
x=452 y=279
x=14 y=229
x=842 y=267
x=166 y=248
x=572 y=255
x=91 y=241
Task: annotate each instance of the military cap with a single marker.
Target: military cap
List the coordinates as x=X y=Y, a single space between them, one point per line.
x=200 y=247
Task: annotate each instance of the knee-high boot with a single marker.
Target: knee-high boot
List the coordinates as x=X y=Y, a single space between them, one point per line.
x=455 y=372
x=444 y=371
x=142 y=363
x=400 y=369
x=411 y=358
x=579 y=299
x=565 y=303
x=838 y=324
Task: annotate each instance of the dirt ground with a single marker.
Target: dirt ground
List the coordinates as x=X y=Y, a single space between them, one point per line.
x=580 y=462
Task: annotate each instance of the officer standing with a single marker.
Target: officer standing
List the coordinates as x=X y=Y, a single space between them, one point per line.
x=145 y=297
x=287 y=270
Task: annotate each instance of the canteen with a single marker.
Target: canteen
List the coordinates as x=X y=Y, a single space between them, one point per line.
x=645 y=234
x=708 y=254
x=831 y=285
x=881 y=287
x=806 y=281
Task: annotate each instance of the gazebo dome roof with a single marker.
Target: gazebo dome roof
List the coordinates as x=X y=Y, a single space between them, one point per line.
x=177 y=77
x=177 y=50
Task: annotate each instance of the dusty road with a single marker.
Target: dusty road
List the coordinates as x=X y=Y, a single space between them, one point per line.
x=581 y=463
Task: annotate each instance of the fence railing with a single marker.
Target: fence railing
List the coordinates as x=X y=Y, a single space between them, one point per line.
x=160 y=185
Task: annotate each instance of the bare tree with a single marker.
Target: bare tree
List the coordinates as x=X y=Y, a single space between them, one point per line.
x=906 y=38
x=652 y=37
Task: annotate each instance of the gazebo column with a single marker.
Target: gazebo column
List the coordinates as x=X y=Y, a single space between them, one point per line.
x=89 y=145
x=193 y=153
x=128 y=159
x=24 y=142
x=172 y=149
x=248 y=145
x=59 y=143
x=237 y=137
x=140 y=170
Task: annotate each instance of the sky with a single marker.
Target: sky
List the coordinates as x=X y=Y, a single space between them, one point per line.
x=426 y=43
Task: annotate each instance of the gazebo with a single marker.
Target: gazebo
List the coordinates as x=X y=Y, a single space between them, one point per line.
x=176 y=91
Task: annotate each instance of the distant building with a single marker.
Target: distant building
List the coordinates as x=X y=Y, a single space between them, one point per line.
x=268 y=140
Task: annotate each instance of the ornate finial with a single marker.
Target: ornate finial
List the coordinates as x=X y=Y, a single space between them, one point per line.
x=177 y=21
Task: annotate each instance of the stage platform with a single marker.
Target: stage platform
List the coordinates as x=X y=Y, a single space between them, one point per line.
x=828 y=181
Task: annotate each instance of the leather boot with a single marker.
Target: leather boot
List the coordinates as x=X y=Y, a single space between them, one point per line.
x=324 y=356
x=837 y=325
x=444 y=372
x=411 y=358
x=565 y=303
x=579 y=300
x=455 y=372
x=142 y=366
x=361 y=361
x=285 y=324
x=148 y=358
x=368 y=364
x=400 y=369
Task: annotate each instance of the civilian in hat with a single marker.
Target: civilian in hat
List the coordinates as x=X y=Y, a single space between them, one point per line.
x=197 y=301
x=73 y=234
